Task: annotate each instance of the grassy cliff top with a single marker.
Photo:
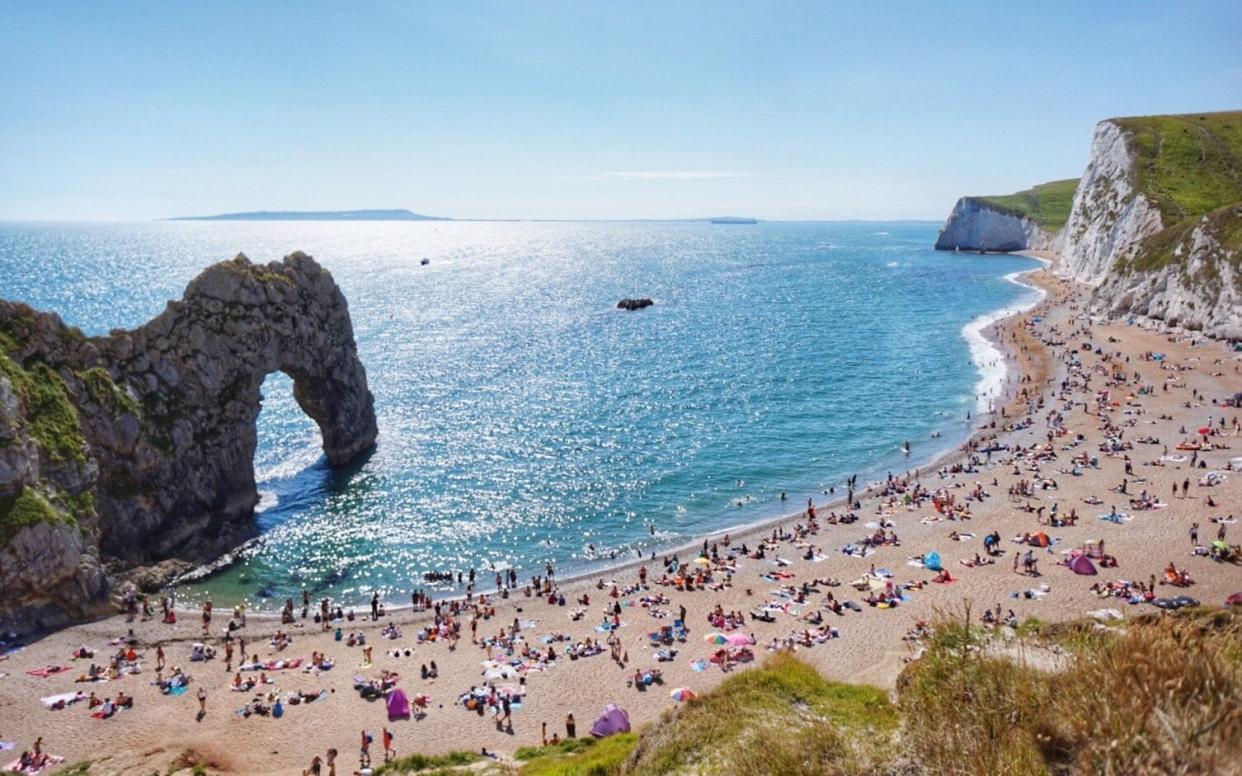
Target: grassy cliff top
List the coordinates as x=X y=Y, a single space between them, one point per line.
x=1189 y=164
x=1047 y=204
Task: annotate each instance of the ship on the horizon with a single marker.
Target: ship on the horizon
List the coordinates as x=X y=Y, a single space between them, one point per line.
x=734 y=220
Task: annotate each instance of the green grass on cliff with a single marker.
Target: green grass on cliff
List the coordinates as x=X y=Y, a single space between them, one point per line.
x=25 y=508
x=1047 y=204
x=1189 y=164
x=51 y=418
x=1172 y=246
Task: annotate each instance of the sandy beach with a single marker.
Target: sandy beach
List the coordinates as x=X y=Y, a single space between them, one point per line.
x=1059 y=364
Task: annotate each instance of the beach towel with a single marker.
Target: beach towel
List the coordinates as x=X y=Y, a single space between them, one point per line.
x=44 y=673
x=64 y=697
x=281 y=665
x=52 y=760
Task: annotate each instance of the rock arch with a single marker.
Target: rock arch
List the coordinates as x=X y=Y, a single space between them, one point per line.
x=138 y=447
x=186 y=487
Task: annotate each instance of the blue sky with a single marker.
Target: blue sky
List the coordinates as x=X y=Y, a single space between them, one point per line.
x=124 y=110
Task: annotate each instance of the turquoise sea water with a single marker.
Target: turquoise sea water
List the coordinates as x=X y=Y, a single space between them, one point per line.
x=523 y=419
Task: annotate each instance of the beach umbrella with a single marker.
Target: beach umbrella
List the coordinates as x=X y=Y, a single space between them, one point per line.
x=1205 y=430
x=682 y=694
x=716 y=638
x=739 y=640
x=1218 y=544
x=703 y=561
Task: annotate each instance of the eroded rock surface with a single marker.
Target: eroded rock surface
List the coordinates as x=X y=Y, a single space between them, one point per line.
x=138 y=447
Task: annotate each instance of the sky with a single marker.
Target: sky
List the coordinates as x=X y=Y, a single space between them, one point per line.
x=669 y=109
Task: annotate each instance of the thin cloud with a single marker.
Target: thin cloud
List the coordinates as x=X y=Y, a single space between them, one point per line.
x=670 y=175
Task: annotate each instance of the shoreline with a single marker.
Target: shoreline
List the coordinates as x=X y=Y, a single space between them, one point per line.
x=996 y=322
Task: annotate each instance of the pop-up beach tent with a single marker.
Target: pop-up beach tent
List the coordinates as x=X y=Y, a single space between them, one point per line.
x=398 y=705
x=613 y=720
x=1040 y=539
x=932 y=561
x=1081 y=564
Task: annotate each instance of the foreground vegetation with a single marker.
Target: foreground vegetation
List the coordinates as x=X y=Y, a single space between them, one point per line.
x=1157 y=695
x=1047 y=204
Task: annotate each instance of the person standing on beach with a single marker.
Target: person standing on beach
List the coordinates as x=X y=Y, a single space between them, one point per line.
x=202 y=702
x=364 y=750
x=571 y=727
x=390 y=751
x=1194 y=534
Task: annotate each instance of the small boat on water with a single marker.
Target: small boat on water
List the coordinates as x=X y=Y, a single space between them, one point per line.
x=424 y=261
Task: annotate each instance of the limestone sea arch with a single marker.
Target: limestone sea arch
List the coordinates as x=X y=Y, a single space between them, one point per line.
x=133 y=448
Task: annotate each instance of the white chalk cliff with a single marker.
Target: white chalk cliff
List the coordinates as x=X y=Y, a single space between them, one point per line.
x=1181 y=270
x=975 y=225
x=1109 y=215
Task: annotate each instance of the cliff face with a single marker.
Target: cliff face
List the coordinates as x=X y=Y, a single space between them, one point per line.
x=1155 y=222
x=137 y=447
x=1188 y=276
x=974 y=225
x=1109 y=213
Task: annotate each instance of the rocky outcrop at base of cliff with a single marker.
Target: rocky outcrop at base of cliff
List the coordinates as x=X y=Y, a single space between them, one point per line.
x=975 y=225
x=138 y=447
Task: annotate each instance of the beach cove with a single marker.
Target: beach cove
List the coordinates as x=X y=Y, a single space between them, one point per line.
x=957 y=502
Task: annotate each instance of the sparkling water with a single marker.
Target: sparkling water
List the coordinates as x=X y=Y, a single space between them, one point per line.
x=524 y=419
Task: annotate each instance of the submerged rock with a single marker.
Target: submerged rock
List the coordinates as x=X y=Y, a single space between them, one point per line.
x=138 y=447
x=634 y=304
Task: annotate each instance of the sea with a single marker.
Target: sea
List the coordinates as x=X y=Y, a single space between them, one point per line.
x=523 y=419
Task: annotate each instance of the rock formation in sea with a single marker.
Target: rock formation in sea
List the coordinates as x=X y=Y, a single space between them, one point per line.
x=128 y=450
x=1155 y=222
x=634 y=304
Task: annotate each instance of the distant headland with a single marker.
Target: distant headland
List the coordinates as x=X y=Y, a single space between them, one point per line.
x=317 y=215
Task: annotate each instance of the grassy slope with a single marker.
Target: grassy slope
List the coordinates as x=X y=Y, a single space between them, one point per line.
x=1188 y=164
x=1126 y=699
x=781 y=718
x=1131 y=700
x=1047 y=204
x=1172 y=246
